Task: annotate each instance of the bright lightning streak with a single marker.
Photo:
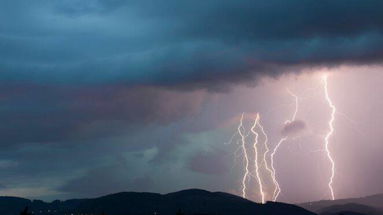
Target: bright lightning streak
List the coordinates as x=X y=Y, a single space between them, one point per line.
x=243 y=145
x=267 y=150
x=277 y=189
x=296 y=105
x=256 y=122
x=271 y=169
x=328 y=135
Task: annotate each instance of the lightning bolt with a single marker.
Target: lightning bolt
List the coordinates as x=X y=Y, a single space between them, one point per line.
x=296 y=105
x=277 y=189
x=267 y=150
x=329 y=133
x=246 y=158
x=271 y=168
x=259 y=180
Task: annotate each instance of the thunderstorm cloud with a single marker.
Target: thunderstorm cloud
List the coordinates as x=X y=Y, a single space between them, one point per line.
x=293 y=128
x=182 y=43
x=100 y=96
x=209 y=162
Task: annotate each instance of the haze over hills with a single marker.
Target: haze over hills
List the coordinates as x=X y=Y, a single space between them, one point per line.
x=192 y=201
x=370 y=205
x=350 y=208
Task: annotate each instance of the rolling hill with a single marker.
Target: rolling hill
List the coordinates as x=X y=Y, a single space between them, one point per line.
x=370 y=205
x=188 y=202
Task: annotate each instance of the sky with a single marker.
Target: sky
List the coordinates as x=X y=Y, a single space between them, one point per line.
x=103 y=96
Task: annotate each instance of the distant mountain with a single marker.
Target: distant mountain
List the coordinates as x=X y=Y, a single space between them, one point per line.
x=348 y=208
x=188 y=202
x=369 y=205
x=349 y=213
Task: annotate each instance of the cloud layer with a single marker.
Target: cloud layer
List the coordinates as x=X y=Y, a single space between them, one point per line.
x=182 y=43
x=293 y=128
x=51 y=113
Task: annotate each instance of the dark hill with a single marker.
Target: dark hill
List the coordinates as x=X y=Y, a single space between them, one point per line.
x=188 y=201
x=9 y=204
x=365 y=205
x=351 y=207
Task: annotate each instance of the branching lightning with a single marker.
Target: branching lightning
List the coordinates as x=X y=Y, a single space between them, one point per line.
x=256 y=166
x=277 y=189
x=329 y=133
x=246 y=158
x=267 y=150
x=271 y=167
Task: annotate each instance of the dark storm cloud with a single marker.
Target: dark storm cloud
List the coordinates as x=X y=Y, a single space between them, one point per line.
x=78 y=7
x=214 y=162
x=173 y=42
x=51 y=113
x=105 y=180
x=293 y=128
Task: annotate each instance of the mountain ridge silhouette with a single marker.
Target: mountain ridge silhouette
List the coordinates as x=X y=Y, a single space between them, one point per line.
x=191 y=201
x=370 y=205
